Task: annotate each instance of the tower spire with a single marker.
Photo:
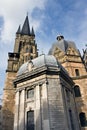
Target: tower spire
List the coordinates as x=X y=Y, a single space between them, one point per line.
x=32 y=32
x=19 y=30
x=26 y=27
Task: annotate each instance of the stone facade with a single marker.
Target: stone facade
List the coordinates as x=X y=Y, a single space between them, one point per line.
x=25 y=48
x=8 y=102
x=47 y=91
x=70 y=58
x=1 y=117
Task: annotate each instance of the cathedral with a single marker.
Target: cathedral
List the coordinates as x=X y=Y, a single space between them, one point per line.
x=46 y=92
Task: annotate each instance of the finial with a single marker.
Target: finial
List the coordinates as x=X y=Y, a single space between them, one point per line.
x=32 y=32
x=60 y=37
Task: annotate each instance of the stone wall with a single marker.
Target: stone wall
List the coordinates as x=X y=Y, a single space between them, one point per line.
x=8 y=102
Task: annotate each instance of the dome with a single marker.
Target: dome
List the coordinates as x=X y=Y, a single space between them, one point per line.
x=43 y=60
x=62 y=44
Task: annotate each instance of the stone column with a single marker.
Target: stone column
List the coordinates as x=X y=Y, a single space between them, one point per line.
x=16 y=117
x=45 y=108
x=21 y=111
x=38 y=109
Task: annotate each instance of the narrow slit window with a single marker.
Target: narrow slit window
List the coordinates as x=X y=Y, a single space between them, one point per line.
x=77 y=72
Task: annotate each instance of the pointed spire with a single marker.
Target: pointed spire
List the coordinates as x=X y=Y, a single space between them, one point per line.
x=19 y=30
x=26 y=27
x=32 y=32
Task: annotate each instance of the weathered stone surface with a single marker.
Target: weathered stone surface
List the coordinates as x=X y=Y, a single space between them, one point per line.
x=72 y=60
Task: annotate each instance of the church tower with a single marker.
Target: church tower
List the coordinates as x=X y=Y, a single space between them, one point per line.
x=69 y=56
x=25 y=48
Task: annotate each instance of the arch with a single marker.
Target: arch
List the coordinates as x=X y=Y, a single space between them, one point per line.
x=31 y=49
x=82 y=118
x=27 y=49
x=77 y=91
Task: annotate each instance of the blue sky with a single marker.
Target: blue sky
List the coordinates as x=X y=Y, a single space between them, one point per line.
x=48 y=17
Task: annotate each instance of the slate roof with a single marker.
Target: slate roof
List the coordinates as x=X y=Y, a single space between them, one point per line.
x=43 y=60
x=62 y=45
x=19 y=30
x=26 y=27
x=25 y=30
x=32 y=32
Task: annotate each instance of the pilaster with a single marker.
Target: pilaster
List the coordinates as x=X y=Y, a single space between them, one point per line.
x=45 y=110
x=38 y=109
x=21 y=111
x=16 y=117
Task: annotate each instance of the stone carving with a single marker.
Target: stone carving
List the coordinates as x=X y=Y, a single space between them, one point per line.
x=30 y=66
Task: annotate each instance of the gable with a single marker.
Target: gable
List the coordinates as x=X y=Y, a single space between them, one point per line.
x=59 y=54
x=72 y=51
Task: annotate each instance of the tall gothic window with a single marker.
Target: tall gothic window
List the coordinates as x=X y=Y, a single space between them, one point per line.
x=31 y=49
x=77 y=72
x=27 y=50
x=30 y=120
x=77 y=91
x=83 y=120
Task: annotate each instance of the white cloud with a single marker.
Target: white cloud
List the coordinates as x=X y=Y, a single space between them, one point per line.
x=14 y=12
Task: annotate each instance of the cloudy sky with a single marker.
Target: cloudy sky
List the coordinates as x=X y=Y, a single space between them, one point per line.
x=48 y=17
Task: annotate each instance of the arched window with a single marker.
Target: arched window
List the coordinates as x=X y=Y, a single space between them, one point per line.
x=27 y=50
x=83 y=120
x=31 y=50
x=77 y=72
x=77 y=91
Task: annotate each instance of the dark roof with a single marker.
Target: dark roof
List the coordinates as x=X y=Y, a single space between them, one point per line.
x=32 y=32
x=43 y=60
x=26 y=27
x=19 y=30
x=62 y=45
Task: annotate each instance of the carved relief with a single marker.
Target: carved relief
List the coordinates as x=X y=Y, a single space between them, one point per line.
x=30 y=66
x=72 y=51
x=60 y=56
